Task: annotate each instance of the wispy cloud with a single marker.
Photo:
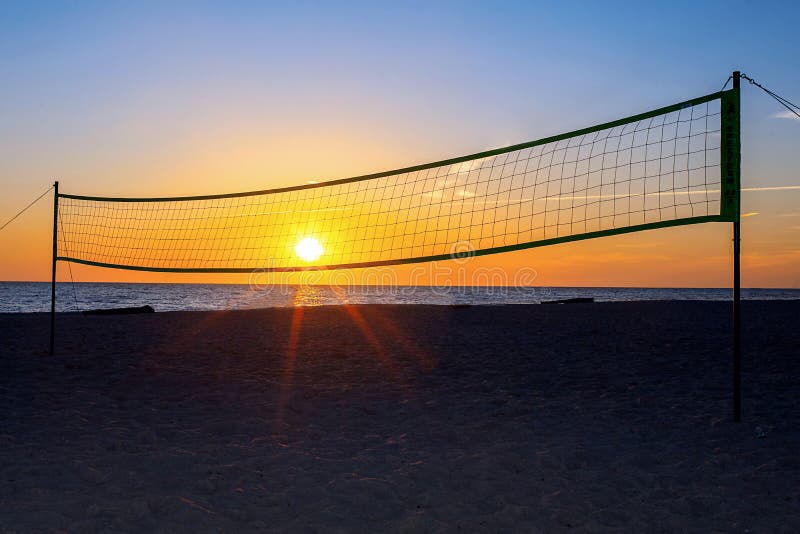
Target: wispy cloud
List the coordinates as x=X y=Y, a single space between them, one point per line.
x=700 y=194
x=773 y=188
x=785 y=115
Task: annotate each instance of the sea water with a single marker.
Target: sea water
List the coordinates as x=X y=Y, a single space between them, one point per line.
x=16 y=297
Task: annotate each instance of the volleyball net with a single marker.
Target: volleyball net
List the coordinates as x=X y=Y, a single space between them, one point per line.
x=672 y=166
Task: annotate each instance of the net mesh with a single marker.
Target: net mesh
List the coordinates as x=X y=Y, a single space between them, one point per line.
x=660 y=168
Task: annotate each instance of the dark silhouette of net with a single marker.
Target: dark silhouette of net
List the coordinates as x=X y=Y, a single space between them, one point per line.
x=657 y=169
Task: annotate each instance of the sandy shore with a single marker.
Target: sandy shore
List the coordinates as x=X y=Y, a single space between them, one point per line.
x=591 y=417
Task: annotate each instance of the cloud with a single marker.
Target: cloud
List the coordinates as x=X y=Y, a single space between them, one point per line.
x=785 y=115
x=772 y=188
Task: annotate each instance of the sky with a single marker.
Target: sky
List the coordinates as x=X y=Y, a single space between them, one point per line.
x=188 y=98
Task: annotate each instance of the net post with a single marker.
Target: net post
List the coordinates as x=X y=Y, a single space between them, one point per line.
x=53 y=266
x=737 y=320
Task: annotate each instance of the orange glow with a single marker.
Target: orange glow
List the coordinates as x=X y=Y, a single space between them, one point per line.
x=692 y=256
x=290 y=357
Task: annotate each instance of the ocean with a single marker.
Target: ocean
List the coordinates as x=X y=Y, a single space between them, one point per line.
x=24 y=297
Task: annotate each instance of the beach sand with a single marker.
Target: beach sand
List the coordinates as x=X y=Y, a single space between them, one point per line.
x=542 y=418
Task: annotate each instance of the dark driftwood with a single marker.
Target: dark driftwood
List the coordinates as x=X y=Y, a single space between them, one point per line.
x=577 y=300
x=120 y=311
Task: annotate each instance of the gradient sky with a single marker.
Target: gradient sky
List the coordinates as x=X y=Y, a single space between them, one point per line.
x=169 y=98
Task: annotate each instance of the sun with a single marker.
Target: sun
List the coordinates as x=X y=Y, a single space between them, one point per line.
x=308 y=249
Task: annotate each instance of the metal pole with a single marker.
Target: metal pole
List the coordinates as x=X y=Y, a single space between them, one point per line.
x=737 y=320
x=53 y=280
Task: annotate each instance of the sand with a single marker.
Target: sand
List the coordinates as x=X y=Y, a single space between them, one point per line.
x=608 y=417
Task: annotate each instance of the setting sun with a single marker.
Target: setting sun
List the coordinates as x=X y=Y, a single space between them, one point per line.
x=308 y=249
